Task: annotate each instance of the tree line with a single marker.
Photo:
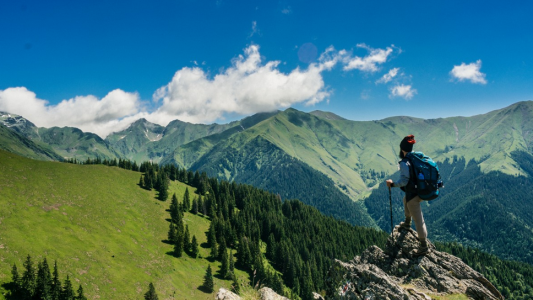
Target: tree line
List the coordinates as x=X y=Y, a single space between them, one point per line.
x=38 y=283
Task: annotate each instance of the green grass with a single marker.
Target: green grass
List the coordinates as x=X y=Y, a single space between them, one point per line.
x=104 y=231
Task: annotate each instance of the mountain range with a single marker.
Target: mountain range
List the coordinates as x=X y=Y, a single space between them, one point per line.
x=334 y=164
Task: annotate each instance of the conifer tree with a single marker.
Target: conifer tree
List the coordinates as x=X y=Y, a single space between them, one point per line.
x=178 y=245
x=151 y=294
x=141 y=182
x=15 y=277
x=194 y=209
x=68 y=292
x=171 y=232
x=147 y=181
x=235 y=286
x=80 y=295
x=201 y=206
x=43 y=281
x=224 y=266
x=163 y=191
x=212 y=235
x=186 y=200
x=174 y=208
x=28 y=278
x=221 y=248
x=187 y=240
x=231 y=262
x=194 y=247
x=55 y=291
x=209 y=284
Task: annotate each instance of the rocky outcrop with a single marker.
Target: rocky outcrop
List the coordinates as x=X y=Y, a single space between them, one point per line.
x=396 y=273
x=265 y=292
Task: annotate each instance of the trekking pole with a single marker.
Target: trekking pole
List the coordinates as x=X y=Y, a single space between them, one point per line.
x=390 y=202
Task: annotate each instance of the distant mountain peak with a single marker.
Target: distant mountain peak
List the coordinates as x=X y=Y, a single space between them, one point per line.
x=326 y=115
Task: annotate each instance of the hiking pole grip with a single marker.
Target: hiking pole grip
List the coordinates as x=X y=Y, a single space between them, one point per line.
x=390 y=202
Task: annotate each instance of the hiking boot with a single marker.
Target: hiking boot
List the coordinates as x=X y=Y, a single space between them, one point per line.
x=423 y=248
x=406 y=224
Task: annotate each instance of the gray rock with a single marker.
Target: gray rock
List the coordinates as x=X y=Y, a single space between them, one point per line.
x=269 y=294
x=224 y=294
x=396 y=273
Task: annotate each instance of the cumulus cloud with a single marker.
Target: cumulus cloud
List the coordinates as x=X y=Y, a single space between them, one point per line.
x=389 y=76
x=368 y=63
x=248 y=86
x=88 y=113
x=403 y=91
x=470 y=72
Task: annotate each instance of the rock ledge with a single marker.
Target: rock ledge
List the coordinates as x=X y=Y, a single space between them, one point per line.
x=395 y=273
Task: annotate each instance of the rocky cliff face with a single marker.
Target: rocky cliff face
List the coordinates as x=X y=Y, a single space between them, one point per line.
x=395 y=273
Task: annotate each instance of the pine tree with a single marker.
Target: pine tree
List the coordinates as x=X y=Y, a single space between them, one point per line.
x=187 y=239
x=171 y=232
x=80 y=296
x=194 y=209
x=43 y=281
x=151 y=294
x=56 y=284
x=178 y=245
x=209 y=284
x=194 y=247
x=15 y=277
x=231 y=262
x=68 y=292
x=163 y=192
x=221 y=248
x=235 y=286
x=224 y=266
x=28 y=278
x=147 y=181
x=141 y=182
x=201 y=205
x=186 y=200
x=174 y=208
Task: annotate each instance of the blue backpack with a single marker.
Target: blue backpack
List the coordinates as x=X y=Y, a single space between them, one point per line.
x=425 y=174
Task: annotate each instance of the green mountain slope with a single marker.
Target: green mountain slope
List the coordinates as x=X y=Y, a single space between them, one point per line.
x=262 y=164
x=144 y=141
x=14 y=142
x=104 y=231
x=68 y=142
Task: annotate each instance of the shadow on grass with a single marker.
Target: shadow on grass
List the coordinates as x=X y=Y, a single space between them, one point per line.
x=204 y=289
x=204 y=245
x=167 y=242
x=11 y=292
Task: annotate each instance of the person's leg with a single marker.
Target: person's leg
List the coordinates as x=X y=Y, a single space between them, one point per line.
x=416 y=212
x=407 y=222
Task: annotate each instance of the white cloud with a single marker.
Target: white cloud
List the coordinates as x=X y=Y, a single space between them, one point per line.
x=404 y=91
x=286 y=11
x=88 y=113
x=368 y=63
x=469 y=72
x=248 y=86
x=389 y=76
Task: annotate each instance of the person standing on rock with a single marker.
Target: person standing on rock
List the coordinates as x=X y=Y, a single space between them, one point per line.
x=411 y=201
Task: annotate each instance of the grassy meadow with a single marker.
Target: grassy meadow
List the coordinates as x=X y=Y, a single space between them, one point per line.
x=105 y=232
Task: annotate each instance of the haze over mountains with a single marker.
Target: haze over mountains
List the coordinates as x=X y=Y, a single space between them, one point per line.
x=333 y=163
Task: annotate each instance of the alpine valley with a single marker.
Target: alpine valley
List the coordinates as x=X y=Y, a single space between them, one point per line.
x=336 y=165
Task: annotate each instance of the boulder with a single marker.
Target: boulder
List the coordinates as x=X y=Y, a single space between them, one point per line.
x=396 y=273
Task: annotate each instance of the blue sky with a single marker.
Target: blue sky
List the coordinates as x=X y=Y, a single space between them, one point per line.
x=98 y=65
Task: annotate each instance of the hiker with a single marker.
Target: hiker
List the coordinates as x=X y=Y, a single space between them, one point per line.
x=411 y=201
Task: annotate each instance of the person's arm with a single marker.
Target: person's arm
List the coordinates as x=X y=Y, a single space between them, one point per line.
x=404 y=177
